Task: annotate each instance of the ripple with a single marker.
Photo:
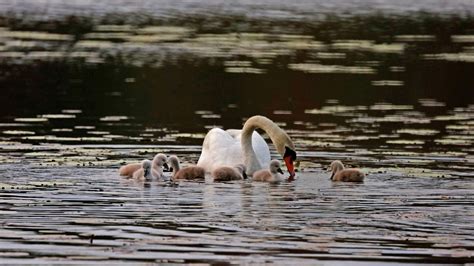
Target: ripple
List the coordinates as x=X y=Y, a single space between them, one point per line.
x=462 y=38
x=59 y=116
x=18 y=132
x=418 y=132
x=415 y=38
x=35 y=35
x=114 y=118
x=370 y=46
x=32 y=119
x=246 y=70
x=391 y=83
x=389 y=106
x=318 y=68
x=453 y=57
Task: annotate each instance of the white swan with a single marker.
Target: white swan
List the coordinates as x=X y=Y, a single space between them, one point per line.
x=246 y=146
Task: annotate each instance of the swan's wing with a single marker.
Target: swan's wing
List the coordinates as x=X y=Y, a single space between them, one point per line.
x=260 y=147
x=219 y=148
x=216 y=137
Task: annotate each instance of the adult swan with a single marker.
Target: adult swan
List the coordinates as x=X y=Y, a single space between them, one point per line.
x=232 y=147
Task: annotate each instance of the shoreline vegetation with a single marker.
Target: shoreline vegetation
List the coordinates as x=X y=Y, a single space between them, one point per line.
x=378 y=26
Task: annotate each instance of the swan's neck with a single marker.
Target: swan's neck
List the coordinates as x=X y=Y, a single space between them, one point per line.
x=250 y=157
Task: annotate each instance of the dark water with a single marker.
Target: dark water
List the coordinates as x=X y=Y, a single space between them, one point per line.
x=383 y=86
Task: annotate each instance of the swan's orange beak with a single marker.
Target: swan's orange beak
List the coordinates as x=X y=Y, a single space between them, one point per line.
x=289 y=157
x=289 y=165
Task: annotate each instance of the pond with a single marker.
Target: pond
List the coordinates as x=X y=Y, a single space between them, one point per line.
x=88 y=87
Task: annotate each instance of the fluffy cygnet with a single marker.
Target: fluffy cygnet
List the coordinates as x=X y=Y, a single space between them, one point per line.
x=190 y=172
x=144 y=172
x=227 y=173
x=339 y=173
x=273 y=174
x=158 y=165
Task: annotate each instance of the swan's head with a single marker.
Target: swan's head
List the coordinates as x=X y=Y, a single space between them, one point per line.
x=242 y=170
x=275 y=167
x=174 y=162
x=160 y=160
x=335 y=167
x=146 y=165
x=286 y=148
x=280 y=139
x=289 y=156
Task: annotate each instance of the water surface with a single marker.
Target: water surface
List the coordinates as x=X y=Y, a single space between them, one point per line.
x=88 y=87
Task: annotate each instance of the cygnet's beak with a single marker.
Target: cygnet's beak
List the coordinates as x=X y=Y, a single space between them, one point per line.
x=332 y=175
x=146 y=172
x=166 y=167
x=279 y=170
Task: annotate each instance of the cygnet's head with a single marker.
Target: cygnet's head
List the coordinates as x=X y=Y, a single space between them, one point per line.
x=275 y=167
x=160 y=160
x=174 y=162
x=242 y=170
x=336 y=166
x=146 y=165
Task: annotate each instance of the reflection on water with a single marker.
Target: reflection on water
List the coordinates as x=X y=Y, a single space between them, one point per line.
x=86 y=91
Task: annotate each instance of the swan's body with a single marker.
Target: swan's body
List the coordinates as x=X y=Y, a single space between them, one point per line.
x=221 y=148
x=190 y=172
x=232 y=147
x=227 y=173
x=339 y=173
x=273 y=174
x=144 y=172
